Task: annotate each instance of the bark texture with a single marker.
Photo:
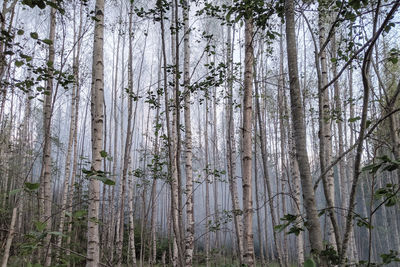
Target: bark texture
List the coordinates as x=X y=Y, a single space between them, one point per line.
x=248 y=247
x=97 y=114
x=299 y=132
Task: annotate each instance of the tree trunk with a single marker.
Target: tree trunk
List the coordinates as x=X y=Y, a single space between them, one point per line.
x=296 y=191
x=46 y=183
x=248 y=247
x=325 y=135
x=128 y=145
x=282 y=114
x=10 y=238
x=231 y=152
x=260 y=244
x=207 y=181
x=267 y=181
x=299 y=131
x=97 y=96
x=366 y=89
x=153 y=256
x=189 y=246
x=71 y=140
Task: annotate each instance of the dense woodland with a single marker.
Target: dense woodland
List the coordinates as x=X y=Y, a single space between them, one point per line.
x=199 y=133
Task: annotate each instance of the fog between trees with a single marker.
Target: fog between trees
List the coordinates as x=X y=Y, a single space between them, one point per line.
x=199 y=133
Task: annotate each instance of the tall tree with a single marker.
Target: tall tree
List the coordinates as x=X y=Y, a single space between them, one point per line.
x=325 y=132
x=97 y=114
x=189 y=246
x=299 y=132
x=231 y=150
x=365 y=71
x=248 y=246
x=46 y=182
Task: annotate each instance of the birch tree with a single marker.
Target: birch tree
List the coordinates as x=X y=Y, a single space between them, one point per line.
x=313 y=225
x=248 y=246
x=189 y=246
x=97 y=96
x=46 y=181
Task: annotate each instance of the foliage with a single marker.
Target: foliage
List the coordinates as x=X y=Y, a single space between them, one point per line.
x=42 y=4
x=294 y=221
x=385 y=163
x=309 y=263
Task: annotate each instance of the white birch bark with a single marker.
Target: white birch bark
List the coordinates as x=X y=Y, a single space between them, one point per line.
x=313 y=225
x=97 y=96
x=248 y=247
x=10 y=237
x=231 y=153
x=189 y=246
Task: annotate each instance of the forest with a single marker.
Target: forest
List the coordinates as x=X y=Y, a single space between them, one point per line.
x=199 y=133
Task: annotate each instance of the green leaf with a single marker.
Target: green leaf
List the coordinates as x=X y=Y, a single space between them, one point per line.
x=103 y=154
x=372 y=168
x=380 y=192
x=391 y=167
x=310 y=263
x=15 y=191
x=104 y=180
x=57 y=234
x=79 y=214
x=364 y=223
x=19 y=63
x=87 y=172
x=392 y=256
x=295 y=230
x=47 y=41
x=40 y=226
x=109 y=182
x=34 y=35
x=95 y=220
x=280 y=227
x=26 y=57
x=394 y=60
x=391 y=201
x=20 y=32
x=354 y=119
x=32 y=186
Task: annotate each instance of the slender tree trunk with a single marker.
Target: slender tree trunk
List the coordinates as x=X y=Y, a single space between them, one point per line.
x=10 y=238
x=128 y=145
x=156 y=174
x=296 y=191
x=176 y=196
x=366 y=89
x=299 y=131
x=215 y=163
x=97 y=96
x=112 y=212
x=267 y=181
x=207 y=181
x=325 y=134
x=71 y=140
x=260 y=244
x=338 y=111
x=248 y=247
x=171 y=144
x=282 y=114
x=46 y=183
x=189 y=246
x=231 y=153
